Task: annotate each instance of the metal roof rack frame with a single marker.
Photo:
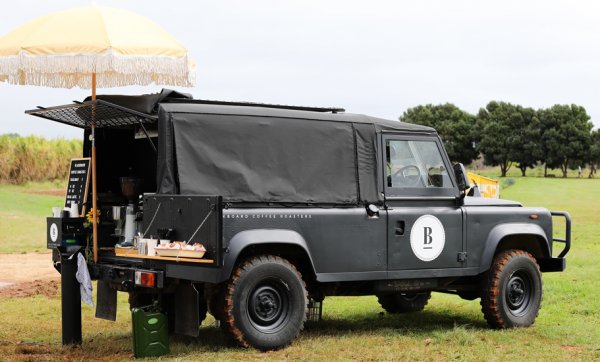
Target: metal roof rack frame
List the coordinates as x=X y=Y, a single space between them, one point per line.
x=253 y=104
x=100 y=113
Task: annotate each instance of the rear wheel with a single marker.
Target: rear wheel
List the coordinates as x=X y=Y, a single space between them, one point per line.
x=265 y=303
x=512 y=290
x=404 y=302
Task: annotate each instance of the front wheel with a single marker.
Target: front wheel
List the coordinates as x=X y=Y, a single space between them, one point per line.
x=265 y=303
x=512 y=290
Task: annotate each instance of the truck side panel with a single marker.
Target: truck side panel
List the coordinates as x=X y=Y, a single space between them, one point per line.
x=338 y=240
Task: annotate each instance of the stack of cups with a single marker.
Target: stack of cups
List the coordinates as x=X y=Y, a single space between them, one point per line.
x=142 y=246
x=74 y=210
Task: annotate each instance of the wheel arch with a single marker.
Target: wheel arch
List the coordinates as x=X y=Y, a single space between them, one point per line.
x=287 y=244
x=527 y=237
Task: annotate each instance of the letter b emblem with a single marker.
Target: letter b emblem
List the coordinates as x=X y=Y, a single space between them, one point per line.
x=427 y=235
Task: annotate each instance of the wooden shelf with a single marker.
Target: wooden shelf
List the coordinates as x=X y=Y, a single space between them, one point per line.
x=134 y=254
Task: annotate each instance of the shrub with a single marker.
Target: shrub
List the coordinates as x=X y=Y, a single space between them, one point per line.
x=508 y=182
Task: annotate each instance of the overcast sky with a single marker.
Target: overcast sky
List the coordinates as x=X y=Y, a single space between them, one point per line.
x=372 y=57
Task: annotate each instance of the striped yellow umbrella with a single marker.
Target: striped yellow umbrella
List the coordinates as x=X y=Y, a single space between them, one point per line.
x=89 y=47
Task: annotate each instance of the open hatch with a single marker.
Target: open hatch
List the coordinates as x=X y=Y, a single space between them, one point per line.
x=126 y=138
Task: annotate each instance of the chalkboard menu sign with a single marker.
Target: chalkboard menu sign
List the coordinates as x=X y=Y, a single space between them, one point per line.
x=79 y=180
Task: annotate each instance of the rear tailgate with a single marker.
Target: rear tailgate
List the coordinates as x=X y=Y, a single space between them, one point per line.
x=187 y=218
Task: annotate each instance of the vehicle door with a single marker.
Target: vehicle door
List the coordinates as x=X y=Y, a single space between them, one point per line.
x=425 y=221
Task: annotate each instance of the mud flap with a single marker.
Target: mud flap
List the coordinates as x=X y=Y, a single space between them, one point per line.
x=106 y=302
x=187 y=320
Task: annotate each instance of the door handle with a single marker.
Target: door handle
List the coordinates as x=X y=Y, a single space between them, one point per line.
x=400 y=227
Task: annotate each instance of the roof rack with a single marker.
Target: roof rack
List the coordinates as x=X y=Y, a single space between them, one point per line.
x=253 y=104
x=99 y=112
x=105 y=114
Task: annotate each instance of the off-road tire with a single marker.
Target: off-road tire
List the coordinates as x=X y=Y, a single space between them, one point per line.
x=404 y=302
x=265 y=303
x=512 y=290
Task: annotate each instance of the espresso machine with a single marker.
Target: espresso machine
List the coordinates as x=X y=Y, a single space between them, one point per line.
x=126 y=224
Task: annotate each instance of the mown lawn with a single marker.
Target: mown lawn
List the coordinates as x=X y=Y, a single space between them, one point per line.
x=23 y=212
x=568 y=326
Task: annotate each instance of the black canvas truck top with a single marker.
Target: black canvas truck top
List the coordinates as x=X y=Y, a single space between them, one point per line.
x=270 y=155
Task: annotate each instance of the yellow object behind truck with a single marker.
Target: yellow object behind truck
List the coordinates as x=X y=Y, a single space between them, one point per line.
x=488 y=187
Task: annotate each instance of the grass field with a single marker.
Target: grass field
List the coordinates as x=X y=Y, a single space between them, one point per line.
x=568 y=326
x=23 y=215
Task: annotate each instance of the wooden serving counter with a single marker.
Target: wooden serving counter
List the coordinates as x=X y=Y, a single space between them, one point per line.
x=133 y=253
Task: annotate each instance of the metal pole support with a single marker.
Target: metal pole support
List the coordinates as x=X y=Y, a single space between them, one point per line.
x=70 y=300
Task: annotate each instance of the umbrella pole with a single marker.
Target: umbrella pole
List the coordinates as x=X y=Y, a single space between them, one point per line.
x=94 y=186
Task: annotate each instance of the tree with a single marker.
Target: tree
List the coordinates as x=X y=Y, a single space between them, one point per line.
x=508 y=133
x=566 y=136
x=526 y=145
x=594 y=154
x=454 y=126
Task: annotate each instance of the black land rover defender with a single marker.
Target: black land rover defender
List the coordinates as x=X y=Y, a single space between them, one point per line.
x=294 y=204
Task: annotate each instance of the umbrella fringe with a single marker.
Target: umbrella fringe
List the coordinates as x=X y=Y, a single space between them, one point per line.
x=105 y=81
x=112 y=70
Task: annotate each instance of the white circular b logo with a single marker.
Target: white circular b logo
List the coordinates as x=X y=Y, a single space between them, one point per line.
x=53 y=232
x=427 y=237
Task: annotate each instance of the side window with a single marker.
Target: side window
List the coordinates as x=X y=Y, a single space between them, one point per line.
x=415 y=164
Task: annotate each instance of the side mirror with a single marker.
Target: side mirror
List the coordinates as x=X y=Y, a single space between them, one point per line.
x=461 y=177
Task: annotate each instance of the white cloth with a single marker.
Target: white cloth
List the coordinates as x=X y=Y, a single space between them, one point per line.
x=85 y=282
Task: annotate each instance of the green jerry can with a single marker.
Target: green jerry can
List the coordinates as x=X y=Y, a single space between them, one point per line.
x=150 y=333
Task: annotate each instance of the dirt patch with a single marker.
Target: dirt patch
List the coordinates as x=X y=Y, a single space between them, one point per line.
x=25 y=275
x=47 y=288
x=51 y=192
x=26 y=267
x=31 y=349
x=34 y=352
x=37 y=352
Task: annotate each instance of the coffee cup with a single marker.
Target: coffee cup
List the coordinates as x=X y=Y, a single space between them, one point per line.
x=56 y=211
x=151 y=246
